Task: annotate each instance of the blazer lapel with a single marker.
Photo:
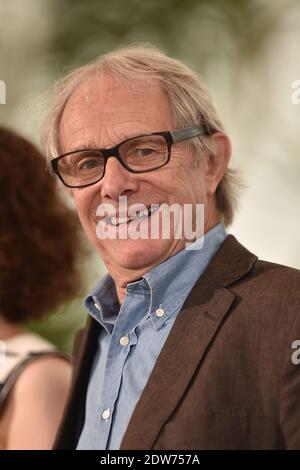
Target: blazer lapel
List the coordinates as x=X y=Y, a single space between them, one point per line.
x=193 y=331
x=85 y=347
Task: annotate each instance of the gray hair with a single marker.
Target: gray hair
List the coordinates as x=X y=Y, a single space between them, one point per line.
x=190 y=104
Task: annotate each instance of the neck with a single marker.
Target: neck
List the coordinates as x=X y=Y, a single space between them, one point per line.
x=8 y=329
x=123 y=276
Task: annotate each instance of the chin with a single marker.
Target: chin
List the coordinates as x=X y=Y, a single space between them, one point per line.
x=138 y=254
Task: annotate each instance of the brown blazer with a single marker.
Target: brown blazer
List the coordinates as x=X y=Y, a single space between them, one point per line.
x=225 y=377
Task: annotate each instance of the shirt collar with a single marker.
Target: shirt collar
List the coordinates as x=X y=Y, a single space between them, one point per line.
x=102 y=303
x=167 y=284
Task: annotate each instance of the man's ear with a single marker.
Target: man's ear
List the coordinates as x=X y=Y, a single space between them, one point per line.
x=217 y=161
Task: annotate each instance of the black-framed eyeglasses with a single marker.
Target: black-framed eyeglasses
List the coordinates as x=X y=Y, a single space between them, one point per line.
x=141 y=154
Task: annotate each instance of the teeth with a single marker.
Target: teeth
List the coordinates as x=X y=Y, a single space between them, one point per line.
x=117 y=220
x=113 y=220
x=139 y=214
x=122 y=220
x=154 y=208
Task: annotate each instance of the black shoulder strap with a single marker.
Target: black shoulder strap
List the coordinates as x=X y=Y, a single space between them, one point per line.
x=10 y=381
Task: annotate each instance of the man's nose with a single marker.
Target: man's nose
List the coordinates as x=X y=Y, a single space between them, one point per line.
x=117 y=180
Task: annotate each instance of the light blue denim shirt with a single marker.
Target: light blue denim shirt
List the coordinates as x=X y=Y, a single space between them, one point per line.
x=133 y=336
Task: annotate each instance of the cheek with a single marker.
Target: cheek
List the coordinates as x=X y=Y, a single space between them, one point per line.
x=187 y=184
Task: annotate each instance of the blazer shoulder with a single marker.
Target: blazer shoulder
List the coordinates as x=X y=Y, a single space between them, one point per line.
x=273 y=285
x=268 y=272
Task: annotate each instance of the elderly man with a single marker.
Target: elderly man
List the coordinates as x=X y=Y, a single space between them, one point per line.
x=191 y=340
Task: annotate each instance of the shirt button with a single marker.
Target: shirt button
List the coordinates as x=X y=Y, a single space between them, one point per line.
x=160 y=312
x=124 y=341
x=105 y=414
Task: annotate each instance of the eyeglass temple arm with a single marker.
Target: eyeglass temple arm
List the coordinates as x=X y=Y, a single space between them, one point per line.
x=188 y=133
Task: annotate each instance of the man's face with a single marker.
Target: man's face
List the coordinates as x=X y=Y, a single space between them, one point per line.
x=102 y=114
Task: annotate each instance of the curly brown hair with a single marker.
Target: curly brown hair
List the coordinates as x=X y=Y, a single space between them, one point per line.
x=39 y=235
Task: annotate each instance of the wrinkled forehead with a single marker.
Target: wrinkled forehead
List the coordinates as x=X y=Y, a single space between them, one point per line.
x=100 y=89
x=107 y=102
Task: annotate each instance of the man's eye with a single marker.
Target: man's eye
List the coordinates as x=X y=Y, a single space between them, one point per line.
x=88 y=164
x=145 y=152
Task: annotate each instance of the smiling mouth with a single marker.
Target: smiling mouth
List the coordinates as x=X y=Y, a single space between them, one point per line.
x=139 y=215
